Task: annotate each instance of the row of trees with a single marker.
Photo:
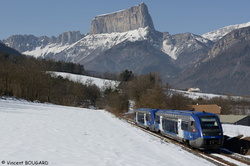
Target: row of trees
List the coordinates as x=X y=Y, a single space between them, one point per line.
x=229 y=105
x=148 y=91
x=67 y=67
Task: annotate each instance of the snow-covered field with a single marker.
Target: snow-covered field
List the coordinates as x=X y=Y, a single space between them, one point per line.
x=101 y=83
x=236 y=130
x=62 y=135
x=207 y=96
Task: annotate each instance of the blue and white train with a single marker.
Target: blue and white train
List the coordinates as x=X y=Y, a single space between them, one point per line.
x=201 y=130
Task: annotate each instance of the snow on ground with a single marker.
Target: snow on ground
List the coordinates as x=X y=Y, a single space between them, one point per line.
x=87 y=79
x=196 y=95
x=232 y=161
x=236 y=130
x=75 y=136
x=207 y=96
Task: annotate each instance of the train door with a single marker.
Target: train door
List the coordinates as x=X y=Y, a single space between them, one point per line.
x=157 y=122
x=149 y=119
x=180 y=131
x=135 y=117
x=160 y=126
x=146 y=119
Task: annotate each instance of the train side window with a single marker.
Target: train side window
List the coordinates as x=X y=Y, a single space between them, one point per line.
x=170 y=125
x=141 y=118
x=148 y=117
x=184 y=126
x=157 y=119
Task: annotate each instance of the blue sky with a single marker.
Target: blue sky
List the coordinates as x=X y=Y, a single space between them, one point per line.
x=53 y=17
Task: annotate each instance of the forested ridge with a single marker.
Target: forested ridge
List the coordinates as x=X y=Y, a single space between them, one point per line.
x=27 y=78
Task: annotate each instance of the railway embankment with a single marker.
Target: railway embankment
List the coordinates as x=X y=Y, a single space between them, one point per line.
x=237 y=144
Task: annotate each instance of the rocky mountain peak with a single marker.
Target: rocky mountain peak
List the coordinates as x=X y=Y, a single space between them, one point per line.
x=122 y=21
x=24 y=43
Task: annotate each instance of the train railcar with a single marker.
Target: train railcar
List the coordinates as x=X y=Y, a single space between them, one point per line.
x=145 y=117
x=200 y=130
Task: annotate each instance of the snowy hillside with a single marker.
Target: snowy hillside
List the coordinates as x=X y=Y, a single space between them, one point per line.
x=63 y=135
x=207 y=96
x=101 y=83
x=218 y=34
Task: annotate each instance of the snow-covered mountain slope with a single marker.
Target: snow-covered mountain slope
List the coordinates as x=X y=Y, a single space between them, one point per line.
x=41 y=52
x=114 y=52
x=64 y=136
x=94 y=43
x=91 y=46
x=175 y=45
x=218 y=34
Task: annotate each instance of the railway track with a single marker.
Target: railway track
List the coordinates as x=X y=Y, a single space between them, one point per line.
x=220 y=158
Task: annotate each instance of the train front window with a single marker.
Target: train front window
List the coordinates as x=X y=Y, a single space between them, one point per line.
x=209 y=122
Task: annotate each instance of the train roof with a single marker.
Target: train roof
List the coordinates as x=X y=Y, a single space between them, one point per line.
x=176 y=112
x=183 y=112
x=143 y=110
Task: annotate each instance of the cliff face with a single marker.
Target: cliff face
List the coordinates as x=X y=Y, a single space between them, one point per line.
x=122 y=21
x=67 y=37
